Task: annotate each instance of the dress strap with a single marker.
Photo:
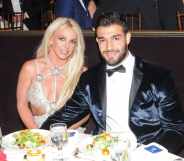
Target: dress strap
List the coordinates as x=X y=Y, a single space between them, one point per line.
x=39 y=76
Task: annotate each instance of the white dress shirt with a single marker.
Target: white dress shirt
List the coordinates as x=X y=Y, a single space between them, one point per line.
x=118 y=91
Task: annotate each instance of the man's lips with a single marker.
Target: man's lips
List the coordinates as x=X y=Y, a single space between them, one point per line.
x=110 y=53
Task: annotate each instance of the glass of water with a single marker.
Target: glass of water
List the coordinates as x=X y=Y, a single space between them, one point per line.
x=59 y=135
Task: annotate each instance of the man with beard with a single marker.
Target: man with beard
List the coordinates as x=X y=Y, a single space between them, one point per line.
x=125 y=93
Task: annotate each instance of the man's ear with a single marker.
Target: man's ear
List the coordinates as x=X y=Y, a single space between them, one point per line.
x=128 y=37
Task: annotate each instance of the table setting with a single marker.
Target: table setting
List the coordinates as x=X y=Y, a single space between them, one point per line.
x=62 y=144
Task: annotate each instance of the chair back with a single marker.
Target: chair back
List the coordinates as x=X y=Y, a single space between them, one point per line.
x=180 y=19
x=11 y=21
x=134 y=21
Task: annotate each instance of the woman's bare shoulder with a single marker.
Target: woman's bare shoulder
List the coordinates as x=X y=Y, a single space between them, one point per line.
x=30 y=65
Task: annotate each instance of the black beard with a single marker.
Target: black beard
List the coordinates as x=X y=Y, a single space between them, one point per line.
x=120 y=59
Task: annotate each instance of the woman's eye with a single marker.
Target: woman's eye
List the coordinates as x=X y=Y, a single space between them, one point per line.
x=74 y=41
x=62 y=38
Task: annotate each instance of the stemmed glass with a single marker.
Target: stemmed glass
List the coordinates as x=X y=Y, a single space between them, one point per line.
x=122 y=150
x=59 y=137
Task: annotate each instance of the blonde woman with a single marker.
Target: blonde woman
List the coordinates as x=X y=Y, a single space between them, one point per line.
x=46 y=82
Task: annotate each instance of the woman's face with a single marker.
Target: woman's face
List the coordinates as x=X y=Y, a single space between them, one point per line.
x=63 y=43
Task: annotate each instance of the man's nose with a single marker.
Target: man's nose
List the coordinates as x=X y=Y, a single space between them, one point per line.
x=109 y=45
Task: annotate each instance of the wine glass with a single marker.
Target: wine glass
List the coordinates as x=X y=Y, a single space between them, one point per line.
x=59 y=135
x=59 y=138
x=122 y=150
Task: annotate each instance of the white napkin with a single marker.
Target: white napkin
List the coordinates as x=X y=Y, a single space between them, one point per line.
x=150 y=152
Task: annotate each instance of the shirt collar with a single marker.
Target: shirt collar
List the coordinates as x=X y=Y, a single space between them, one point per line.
x=127 y=62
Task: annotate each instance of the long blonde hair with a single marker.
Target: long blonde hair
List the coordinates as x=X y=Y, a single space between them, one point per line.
x=73 y=68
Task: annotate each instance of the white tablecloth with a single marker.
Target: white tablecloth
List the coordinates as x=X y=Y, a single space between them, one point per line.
x=13 y=155
x=143 y=153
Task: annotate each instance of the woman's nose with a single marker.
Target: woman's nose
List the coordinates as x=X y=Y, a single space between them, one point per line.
x=67 y=45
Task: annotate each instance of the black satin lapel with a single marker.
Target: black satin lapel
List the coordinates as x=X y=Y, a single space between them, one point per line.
x=136 y=81
x=102 y=90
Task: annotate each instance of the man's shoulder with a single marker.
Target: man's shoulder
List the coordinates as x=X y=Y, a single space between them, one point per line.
x=157 y=75
x=93 y=71
x=154 y=72
x=150 y=67
x=91 y=74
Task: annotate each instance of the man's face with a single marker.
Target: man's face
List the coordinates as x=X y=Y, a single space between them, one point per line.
x=113 y=43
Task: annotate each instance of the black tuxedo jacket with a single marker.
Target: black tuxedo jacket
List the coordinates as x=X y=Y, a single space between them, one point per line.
x=7 y=8
x=154 y=109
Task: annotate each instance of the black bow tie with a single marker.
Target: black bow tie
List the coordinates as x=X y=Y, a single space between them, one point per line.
x=119 y=68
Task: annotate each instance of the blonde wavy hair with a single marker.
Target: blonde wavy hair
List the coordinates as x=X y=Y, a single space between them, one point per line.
x=73 y=68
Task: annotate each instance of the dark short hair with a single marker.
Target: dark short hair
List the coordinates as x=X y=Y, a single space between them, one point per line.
x=110 y=18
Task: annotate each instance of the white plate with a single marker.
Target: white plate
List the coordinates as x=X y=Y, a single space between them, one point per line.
x=126 y=138
x=8 y=141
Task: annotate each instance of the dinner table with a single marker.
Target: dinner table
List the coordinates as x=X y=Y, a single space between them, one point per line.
x=79 y=147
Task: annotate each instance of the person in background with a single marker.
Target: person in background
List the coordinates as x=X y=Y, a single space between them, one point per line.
x=76 y=9
x=9 y=7
x=33 y=10
x=155 y=14
x=149 y=13
x=46 y=82
x=180 y=6
x=121 y=6
x=159 y=14
x=92 y=7
x=167 y=10
x=147 y=8
x=126 y=93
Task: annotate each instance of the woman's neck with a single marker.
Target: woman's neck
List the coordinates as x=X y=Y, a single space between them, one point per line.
x=55 y=62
